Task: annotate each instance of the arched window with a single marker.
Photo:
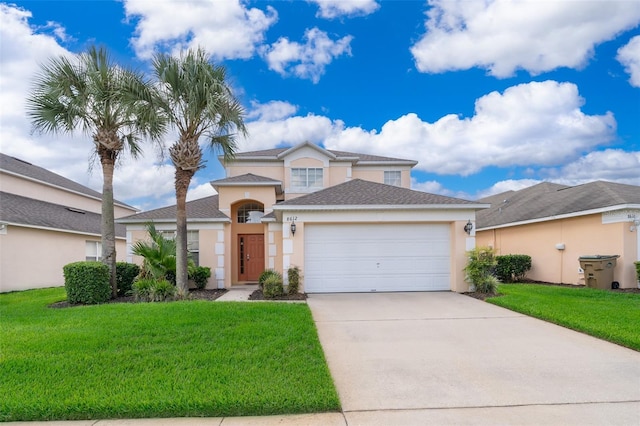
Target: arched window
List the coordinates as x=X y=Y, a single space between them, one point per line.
x=250 y=213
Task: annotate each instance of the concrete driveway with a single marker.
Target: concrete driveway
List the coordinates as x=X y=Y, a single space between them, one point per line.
x=446 y=358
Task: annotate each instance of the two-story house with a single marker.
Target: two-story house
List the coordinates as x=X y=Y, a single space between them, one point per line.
x=348 y=221
x=47 y=221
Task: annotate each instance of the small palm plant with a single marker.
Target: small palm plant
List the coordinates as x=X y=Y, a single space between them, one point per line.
x=159 y=255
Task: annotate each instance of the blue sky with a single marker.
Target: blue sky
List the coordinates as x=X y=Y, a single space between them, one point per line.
x=486 y=96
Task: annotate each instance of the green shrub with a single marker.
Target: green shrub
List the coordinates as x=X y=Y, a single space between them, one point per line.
x=141 y=289
x=162 y=291
x=87 y=282
x=293 y=275
x=200 y=276
x=266 y=274
x=488 y=285
x=126 y=273
x=479 y=269
x=637 y=270
x=152 y=290
x=272 y=287
x=512 y=267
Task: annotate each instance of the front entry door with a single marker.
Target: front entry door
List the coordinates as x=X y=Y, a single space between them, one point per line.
x=250 y=256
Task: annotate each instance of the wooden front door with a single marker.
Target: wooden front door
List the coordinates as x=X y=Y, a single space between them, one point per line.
x=250 y=256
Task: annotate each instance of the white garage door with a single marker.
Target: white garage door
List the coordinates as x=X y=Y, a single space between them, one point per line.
x=376 y=257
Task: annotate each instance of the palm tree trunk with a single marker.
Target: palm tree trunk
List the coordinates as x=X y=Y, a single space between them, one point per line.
x=107 y=159
x=183 y=178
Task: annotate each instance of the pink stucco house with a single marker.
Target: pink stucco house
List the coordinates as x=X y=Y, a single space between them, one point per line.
x=556 y=224
x=348 y=221
x=47 y=221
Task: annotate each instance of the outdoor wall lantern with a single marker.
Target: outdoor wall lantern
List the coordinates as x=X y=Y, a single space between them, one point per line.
x=468 y=227
x=293 y=228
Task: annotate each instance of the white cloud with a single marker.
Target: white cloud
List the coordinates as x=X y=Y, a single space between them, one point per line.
x=22 y=50
x=612 y=165
x=506 y=185
x=200 y=191
x=226 y=29
x=289 y=131
x=629 y=57
x=529 y=124
x=308 y=60
x=504 y=36
x=435 y=187
x=273 y=110
x=335 y=8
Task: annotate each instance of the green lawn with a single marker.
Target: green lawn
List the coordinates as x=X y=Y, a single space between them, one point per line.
x=611 y=316
x=189 y=358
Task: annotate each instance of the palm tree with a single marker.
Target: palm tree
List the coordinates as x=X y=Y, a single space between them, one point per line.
x=112 y=104
x=199 y=103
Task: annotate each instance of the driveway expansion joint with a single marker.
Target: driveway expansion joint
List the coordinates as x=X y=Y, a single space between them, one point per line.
x=472 y=407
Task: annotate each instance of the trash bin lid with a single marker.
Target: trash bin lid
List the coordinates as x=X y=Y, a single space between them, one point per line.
x=599 y=257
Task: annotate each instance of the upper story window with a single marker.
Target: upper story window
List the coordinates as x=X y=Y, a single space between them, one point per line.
x=250 y=213
x=393 y=178
x=306 y=177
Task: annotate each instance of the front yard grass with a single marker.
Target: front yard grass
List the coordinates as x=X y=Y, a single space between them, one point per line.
x=178 y=359
x=612 y=316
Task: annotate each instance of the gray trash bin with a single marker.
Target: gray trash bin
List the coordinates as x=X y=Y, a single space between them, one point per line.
x=598 y=270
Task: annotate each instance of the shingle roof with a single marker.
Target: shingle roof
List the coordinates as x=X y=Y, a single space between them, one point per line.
x=547 y=200
x=273 y=153
x=203 y=208
x=27 y=211
x=20 y=167
x=362 y=192
x=246 y=178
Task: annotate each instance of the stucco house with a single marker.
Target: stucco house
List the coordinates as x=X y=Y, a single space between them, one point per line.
x=47 y=221
x=556 y=224
x=348 y=221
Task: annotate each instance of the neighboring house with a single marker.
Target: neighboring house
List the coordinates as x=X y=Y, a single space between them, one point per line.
x=556 y=224
x=47 y=221
x=348 y=221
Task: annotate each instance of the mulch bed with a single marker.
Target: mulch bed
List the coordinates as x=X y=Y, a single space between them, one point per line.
x=193 y=295
x=259 y=295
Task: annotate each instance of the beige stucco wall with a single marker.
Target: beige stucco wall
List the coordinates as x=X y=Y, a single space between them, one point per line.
x=583 y=235
x=33 y=258
x=36 y=190
x=376 y=173
x=270 y=170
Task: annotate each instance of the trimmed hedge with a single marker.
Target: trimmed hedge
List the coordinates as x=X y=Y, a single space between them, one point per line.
x=126 y=273
x=87 y=283
x=637 y=270
x=512 y=267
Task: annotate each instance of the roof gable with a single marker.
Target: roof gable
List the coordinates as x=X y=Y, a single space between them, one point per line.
x=548 y=200
x=278 y=154
x=358 y=192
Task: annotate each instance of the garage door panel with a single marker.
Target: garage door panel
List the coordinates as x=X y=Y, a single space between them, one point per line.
x=380 y=257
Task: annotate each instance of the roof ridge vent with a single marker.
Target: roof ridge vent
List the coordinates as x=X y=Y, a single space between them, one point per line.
x=72 y=209
x=22 y=161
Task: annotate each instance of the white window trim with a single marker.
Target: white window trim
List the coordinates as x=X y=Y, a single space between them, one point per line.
x=307 y=188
